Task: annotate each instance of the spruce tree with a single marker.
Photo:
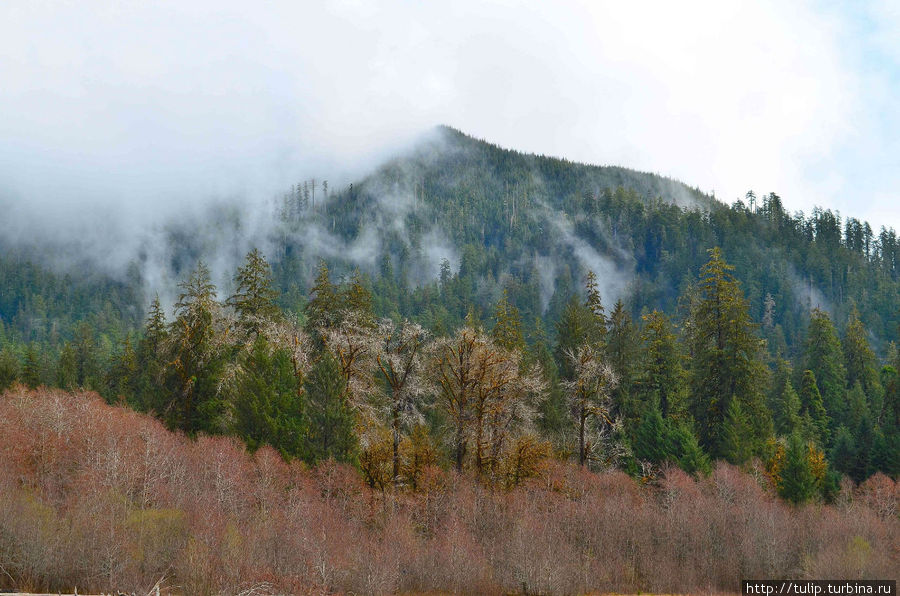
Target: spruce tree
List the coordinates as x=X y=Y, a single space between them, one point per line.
x=862 y=366
x=843 y=451
x=798 y=484
x=785 y=402
x=825 y=358
x=507 y=331
x=728 y=374
x=268 y=408
x=322 y=308
x=594 y=304
x=684 y=444
x=662 y=377
x=650 y=438
x=195 y=356
x=857 y=405
x=31 y=369
x=811 y=405
x=150 y=390
x=331 y=420
x=622 y=350
x=736 y=446
x=574 y=329
x=9 y=368
x=254 y=298
x=357 y=299
x=67 y=368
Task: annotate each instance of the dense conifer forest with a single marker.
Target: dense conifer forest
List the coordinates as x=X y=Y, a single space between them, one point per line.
x=492 y=316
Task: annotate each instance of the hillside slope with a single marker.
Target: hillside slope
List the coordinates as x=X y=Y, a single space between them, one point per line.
x=535 y=225
x=105 y=499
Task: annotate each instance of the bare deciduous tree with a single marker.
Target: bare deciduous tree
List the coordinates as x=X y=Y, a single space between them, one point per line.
x=400 y=359
x=590 y=397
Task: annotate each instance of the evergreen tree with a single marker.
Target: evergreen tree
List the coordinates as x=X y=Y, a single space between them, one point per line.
x=595 y=305
x=886 y=453
x=691 y=457
x=195 y=356
x=864 y=438
x=662 y=378
x=727 y=366
x=824 y=357
x=67 y=368
x=507 y=331
x=123 y=374
x=811 y=405
x=622 y=351
x=574 y=329
x=31 y=369
x=357 y=298
x=254 y=298
x=862 y=366
x=785 y=402
x=331 y=419
x=322 y=308
x=9 y=368
x=736 y=430
x=889 y=416
x=857 y=406
x=150 y=390
x=650 y=438
x=798 y=484
x=843 y=451
x=268 y=408
x=87 y=367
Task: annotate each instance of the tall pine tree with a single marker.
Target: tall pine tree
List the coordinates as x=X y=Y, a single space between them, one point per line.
x=728 y=374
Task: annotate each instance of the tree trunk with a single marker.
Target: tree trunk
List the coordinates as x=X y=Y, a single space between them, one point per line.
x=396 y=429
x=460 y=448
x=581 y=437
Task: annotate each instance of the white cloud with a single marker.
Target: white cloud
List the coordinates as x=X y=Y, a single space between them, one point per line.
x=153 y=104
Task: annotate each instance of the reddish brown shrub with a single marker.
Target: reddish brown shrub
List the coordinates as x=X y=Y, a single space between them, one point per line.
x=104 y=498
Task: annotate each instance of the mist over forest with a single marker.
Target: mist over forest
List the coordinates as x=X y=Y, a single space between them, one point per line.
x=380 y=297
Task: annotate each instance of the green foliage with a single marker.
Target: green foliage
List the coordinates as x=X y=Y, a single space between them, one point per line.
x=331 y=419
x=67 y=368
x=736 y=441
x=576 y=327
x=268 y=404
x=658 y=440
x=798 y=484
x=811 y=405
x=195 y=357
x=727 y=371
x=785 y=403
x=9 y=368
x=662 y=377
x=622 y=351
x=357 y=298
x=31 y=369
x=321 y=310
x=862 y=366
x=649 y=440
x=824 y=357
x=594 y=303
x=507 y=331
x=843 y=451
x=254 y=298
x=504 y=213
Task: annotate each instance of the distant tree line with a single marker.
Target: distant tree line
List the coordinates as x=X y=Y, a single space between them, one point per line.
x=337 y=382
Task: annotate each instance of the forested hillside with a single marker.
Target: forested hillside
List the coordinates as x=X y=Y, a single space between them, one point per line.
x=475 y=308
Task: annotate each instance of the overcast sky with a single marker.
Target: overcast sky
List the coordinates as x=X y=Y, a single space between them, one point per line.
x=150 y=105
